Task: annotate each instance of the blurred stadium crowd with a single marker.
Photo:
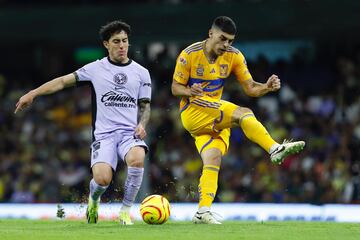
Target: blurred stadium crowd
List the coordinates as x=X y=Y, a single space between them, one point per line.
x=44 y=151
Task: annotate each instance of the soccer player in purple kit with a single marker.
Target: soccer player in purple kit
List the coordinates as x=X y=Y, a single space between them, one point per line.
x=122 y=89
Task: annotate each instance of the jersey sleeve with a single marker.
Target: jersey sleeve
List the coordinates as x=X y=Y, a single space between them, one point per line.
x=182 y=68
x=145 y=86
x=240 y=68
x=85 y=73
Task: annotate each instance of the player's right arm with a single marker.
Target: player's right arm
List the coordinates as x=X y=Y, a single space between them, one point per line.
x=180 y=90
x=179 y=87
x=49 y=87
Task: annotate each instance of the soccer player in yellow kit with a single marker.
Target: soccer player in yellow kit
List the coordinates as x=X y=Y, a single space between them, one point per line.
x=199 y=77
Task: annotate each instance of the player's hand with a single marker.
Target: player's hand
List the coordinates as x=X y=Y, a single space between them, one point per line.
x=196 y=90
x=273 y=83
x=140 y=132
x=24 y=102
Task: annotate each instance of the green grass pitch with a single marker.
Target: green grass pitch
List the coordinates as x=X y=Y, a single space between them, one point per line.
x=106 y=230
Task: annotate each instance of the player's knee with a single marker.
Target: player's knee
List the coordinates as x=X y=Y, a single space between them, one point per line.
x=136 y=162
x=239 y=113
x=212 y=156
x=213 y=160
x=102 y=173
x=243 y=111
x=102 y=179
x=135 y=157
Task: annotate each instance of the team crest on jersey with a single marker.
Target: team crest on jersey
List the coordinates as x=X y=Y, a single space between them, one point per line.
x=200 y=70
x=223 y=70
x=120 y=78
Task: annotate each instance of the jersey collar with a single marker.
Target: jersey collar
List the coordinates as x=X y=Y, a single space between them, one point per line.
x=119 y=64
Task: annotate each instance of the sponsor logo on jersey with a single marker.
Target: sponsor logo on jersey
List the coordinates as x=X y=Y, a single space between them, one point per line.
x=146 y=85
x=182 y=61
x=212 y=94
x=82 y=70
x=180 y=75
x=118 y=99
x=119 y=88
x=96 y=146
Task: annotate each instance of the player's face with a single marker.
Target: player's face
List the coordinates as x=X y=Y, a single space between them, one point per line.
x=220 y=41
x=118 y=46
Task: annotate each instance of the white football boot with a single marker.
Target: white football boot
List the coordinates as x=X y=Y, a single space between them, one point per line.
x=206 y=217
x=285 y=149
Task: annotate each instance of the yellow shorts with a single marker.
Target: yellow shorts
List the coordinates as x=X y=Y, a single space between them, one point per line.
x=208 y=121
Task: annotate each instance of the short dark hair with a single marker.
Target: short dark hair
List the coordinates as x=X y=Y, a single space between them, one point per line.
x=113 y=27
x=225 y=24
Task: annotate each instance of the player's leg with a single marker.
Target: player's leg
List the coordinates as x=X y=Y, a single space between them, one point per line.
x=135 y=171
x=253 y=129
x=132 y=151
x=103 y=163
x=209 y=177
x=256 y=132
x=211 y=150
x=228 y=115
x=102 y=175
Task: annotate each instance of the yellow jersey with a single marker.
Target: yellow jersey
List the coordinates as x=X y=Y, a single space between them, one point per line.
x=192 y=66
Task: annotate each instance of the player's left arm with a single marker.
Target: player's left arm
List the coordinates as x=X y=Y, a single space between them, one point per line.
x=250 y=86
x=256 y=89
x=144 y=115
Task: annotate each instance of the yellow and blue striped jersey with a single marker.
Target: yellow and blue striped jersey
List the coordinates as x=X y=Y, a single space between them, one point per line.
x=192 y=66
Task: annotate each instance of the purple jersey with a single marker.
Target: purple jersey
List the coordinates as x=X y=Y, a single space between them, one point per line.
x=117 y=87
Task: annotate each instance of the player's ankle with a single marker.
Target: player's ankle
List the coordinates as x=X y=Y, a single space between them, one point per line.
x=273 y=148
x=125 y=208
x=203 y=209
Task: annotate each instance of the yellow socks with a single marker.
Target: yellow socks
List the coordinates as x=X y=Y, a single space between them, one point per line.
x=208 y=185
x=256 y=132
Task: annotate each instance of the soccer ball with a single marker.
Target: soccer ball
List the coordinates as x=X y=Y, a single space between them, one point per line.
x=155 y=209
